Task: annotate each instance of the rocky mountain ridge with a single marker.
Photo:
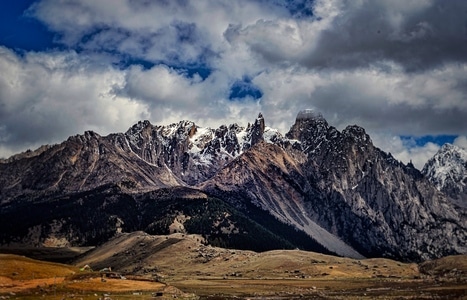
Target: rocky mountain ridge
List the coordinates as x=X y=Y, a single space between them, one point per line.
x=333 y=187
x=447 y=170
x=150 y=156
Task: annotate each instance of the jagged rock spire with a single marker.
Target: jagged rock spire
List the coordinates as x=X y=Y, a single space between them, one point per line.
x=257 y=130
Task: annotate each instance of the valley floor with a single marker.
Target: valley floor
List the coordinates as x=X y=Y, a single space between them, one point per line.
x=324 y=289
x=180 y=266
x=214 y=289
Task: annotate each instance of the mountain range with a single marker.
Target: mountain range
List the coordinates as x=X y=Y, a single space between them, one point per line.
x=314 y=188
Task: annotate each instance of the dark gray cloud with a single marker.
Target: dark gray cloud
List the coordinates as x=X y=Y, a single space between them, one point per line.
x=418 y=104
x=419 y=35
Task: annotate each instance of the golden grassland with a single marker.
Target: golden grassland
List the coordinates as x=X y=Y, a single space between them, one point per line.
x=181 y=266
x=21 y=268
x=25 y=278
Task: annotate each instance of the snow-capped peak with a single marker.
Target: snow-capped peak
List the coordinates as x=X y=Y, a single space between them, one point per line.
x=447 y=170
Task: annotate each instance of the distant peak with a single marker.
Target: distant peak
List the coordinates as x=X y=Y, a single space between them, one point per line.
x=357 y=132
x=138 y=127
x=449 y=147
x=309 y=114
x=142 y=124
x=451 y=150
x=309 y=125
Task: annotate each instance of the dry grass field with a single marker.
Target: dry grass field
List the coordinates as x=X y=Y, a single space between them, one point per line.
x=163 y=266
x=25 y=278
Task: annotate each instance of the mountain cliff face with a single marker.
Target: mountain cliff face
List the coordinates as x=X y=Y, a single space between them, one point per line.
x=333 y=191
x=374 y=202
x=338 y=187
x=447 y=170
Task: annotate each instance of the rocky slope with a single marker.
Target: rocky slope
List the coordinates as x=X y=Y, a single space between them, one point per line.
x=447 y=170
x=334 y=184
x=314 y=188
x=374 y=202
x=81 y=163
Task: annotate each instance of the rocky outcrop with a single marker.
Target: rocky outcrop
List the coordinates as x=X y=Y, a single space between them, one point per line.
x=447 y=170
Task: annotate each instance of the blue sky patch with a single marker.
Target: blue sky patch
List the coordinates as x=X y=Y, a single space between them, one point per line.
x=244 y=88
x=125 y=62
x=300 y=8
x=191 y=70
x=418 y=141
x=18 y=31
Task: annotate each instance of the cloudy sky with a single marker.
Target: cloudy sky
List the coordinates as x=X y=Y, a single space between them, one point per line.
x=398 y=68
